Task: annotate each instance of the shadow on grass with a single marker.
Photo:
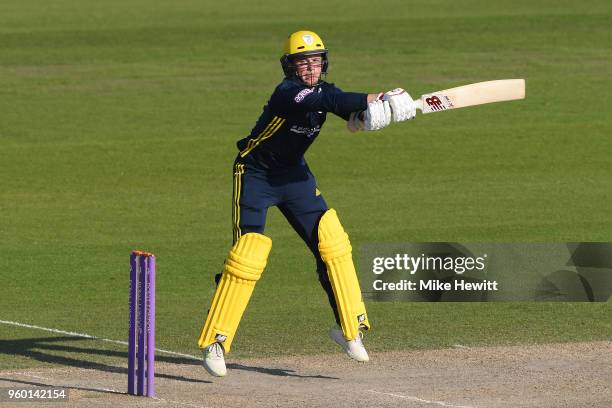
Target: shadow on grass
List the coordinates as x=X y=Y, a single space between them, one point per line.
x=52 y=350
x=49 y=350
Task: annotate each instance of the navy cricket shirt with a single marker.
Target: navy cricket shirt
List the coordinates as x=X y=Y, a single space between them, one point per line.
x=291 y=120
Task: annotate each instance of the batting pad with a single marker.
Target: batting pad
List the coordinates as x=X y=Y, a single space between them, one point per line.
x=336 y=252
x=243 y=267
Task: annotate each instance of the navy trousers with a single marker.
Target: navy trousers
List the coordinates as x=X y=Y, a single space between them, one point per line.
x=295 y=193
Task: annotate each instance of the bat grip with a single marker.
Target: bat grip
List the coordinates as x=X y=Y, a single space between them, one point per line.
x=419 y=104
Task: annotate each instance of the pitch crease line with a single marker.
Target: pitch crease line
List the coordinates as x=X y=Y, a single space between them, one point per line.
x=424 y=401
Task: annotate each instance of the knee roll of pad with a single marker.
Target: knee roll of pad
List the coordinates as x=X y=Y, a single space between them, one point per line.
x=243 y=268
x=336 y=251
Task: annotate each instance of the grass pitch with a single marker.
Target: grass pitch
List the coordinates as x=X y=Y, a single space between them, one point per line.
x=118 y=129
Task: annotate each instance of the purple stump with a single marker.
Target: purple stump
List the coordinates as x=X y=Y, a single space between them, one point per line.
x=141 y=324
x=141 y=336
x=151 y=327
x=132 y=325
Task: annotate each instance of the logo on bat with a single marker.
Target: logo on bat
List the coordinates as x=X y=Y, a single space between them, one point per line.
x=435 y=103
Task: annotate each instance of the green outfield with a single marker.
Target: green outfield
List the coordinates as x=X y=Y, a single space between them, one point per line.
x=118 y=126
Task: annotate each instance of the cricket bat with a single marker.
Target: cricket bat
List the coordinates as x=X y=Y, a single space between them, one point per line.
x=473 y=94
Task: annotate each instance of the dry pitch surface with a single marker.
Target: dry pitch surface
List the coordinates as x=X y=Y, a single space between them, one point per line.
x=550 y=375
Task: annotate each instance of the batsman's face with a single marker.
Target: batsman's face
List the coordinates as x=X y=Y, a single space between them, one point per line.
x=308 y=69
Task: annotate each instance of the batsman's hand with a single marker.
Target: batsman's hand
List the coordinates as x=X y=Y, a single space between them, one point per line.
x=401 y=103
x=377 y=116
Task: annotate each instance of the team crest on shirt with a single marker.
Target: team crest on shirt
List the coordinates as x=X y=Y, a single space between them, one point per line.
x=302 y=94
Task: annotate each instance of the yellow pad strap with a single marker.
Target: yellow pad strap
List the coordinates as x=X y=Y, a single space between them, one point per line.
x=243 y=267
x=336 y=251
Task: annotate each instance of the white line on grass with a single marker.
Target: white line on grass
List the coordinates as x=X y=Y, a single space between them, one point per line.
x=424 y=401
x=89 y=336
x=38 y=377
x=460 y=346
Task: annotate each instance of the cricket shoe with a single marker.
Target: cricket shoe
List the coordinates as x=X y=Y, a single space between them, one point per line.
x=214 y=361
x=354 y=348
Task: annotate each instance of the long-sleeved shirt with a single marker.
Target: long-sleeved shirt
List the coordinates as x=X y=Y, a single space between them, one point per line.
x=291 y=120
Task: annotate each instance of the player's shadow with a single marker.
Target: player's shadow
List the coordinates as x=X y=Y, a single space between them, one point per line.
x=280 y=372
x=53 y=350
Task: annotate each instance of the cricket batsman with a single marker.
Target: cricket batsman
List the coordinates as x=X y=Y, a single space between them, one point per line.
x=270 y=170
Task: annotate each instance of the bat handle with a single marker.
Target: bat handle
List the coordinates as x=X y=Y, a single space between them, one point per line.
x=419 y=104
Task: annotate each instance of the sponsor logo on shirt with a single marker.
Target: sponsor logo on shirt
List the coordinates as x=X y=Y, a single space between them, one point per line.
x=302 y=94
x=306 y=131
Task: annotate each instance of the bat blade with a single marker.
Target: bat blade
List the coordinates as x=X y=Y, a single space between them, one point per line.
x=471 y=95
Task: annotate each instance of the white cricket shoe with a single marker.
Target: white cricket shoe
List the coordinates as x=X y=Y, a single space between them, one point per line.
x=353 y=348
x=214 y=361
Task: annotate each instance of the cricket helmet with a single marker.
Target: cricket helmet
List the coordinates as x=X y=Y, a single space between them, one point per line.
x=299 y=44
